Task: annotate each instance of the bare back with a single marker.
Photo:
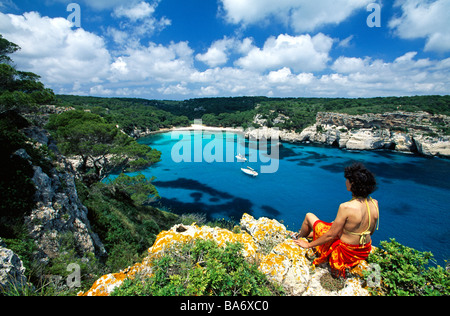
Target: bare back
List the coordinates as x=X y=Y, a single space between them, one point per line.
x=357 y=221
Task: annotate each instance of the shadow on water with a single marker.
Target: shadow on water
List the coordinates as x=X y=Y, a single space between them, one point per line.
x=286 y=152
x=193 y=185
x=230 y=206
x=401 y=209
x=197 y=196
x=271 y=211
x=232 y=209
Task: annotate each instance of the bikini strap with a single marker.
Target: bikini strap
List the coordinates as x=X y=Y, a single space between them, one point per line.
x=364 y=234
x=378 y=210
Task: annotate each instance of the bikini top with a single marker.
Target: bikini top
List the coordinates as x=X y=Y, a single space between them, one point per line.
x=364 y=234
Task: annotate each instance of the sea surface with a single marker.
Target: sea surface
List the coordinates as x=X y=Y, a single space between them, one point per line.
x=200 y=174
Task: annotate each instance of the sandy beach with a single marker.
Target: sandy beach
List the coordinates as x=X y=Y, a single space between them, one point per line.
x=199 y=127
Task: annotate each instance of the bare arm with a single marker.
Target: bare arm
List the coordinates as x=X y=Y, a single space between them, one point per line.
x=334 y=232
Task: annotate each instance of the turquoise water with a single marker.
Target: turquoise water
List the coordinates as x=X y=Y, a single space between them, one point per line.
x=413 y=192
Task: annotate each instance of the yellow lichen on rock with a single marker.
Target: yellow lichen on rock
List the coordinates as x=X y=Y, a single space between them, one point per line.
x=264 y=230
x=165 y=240
x=287 y=265
x=264 y=241
x=105 y=285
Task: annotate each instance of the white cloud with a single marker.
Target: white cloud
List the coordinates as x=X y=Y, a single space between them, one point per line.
x=300 y=53
x=139 y=23
x=424 y=19
x=55 y=51
x=280 y=76
x=120 y=66
x=135 y=12
x=346 y=41
x=154 y=63
x=348 y=65
x=406 y=75
x=100 y=90
x=178 y=89
x=301 y=15
x=346 y=77
x=218 y=53
x=76 y=61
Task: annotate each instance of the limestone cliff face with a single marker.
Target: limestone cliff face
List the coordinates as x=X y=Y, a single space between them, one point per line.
x=418 y=132
x=264 y=240
x=58 y=214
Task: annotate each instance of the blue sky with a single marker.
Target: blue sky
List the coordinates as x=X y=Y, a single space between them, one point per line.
x=181 y=49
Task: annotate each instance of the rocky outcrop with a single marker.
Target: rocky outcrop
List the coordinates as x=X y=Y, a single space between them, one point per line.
x=418 y=132
x=12 y=271
x=59 y=216
x=265 y=241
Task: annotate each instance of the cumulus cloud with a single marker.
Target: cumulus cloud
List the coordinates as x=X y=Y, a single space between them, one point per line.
x=138 y=21
x=218 y=53
x=301 y=15
x=424 y=19
x=406 y=75
x=77 y=61
x=300 y=53
x=135 y=12
x=154 y=63
x=54 y=50
x=349 y=64
x=346 y=77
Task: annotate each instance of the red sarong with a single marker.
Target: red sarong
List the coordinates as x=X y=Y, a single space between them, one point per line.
x=340 y=255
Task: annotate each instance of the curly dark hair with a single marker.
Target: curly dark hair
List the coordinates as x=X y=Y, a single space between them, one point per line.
x=362 y=180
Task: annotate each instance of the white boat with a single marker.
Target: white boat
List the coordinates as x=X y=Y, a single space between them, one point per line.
x=239 y=157
x=249 y=171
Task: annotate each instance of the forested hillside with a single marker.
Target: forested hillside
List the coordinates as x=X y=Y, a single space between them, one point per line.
x=129 y=114
x=240 y=111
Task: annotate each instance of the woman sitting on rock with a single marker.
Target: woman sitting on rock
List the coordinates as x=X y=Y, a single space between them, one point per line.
x=346 y=241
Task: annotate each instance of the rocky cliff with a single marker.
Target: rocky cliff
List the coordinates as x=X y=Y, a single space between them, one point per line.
x=59 y=214
x=419 y=132
x=265 y=241
x=58 y=221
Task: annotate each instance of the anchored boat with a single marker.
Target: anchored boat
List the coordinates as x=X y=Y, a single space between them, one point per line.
x=249 y=171
x=239 y=157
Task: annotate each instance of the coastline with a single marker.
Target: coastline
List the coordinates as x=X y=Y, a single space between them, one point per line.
x=361 y=139
x=196 y=127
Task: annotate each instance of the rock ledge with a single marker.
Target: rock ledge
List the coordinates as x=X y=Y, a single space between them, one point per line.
x=265 y=240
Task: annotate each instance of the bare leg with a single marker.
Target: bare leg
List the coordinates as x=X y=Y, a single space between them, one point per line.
x=307 y=226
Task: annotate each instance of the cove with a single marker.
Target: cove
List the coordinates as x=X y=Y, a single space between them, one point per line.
x=413 y=191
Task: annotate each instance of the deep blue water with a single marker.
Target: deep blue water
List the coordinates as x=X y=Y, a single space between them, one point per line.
x=413 y=192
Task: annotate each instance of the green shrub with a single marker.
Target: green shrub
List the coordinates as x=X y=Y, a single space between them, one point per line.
x=201 y=268
x=126 y=229
x=405 y=271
